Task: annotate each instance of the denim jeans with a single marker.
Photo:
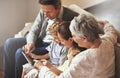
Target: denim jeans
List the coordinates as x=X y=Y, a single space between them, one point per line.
x=10 y=47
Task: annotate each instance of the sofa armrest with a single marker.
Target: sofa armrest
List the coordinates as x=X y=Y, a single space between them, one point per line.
x=24 y=31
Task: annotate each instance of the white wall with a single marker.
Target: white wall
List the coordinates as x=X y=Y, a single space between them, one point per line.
x=33 y=9
x=12 y=18
x=82 y=3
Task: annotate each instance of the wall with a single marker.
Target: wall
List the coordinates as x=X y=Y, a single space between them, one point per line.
x=12 y=18
x=14 y=14
x=33 y=9
x=82 y=3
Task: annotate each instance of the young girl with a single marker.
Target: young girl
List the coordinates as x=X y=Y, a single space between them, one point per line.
x=65 y=37
x=57 y=54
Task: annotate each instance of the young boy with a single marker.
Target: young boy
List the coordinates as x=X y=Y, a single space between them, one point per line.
x=57 y=54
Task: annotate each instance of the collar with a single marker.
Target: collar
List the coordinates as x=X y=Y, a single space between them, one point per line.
x=61 y=13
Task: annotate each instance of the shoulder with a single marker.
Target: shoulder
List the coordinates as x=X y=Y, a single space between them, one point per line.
x=68 y=14
x=65 y=9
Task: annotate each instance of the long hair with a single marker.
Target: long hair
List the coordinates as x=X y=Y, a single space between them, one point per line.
x=65 y=33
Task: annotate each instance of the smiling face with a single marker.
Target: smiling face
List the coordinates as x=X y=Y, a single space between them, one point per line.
x=67 y=43
x=50 y=11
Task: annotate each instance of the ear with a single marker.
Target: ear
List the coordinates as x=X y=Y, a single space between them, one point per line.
x=84 y=39
x=70 y=39
x=59 y=7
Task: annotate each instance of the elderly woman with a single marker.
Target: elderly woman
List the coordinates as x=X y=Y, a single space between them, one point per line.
x=95 y=62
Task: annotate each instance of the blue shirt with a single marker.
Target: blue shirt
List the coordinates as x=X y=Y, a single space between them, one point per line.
x=58 y=53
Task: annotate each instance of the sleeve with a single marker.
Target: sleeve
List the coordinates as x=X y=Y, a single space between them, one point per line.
x=46 y=73
x=49 y=48
x=35 y=29
x=63 y=55
x=110 y=33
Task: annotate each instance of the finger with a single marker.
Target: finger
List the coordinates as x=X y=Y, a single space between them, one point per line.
x=35 y=60
x=43 y=60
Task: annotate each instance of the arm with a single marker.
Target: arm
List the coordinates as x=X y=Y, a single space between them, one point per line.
x=34 y=32
x=51 y=67
x=45 y=56
x=55 y=70
x=43 y=62
x=110 y=33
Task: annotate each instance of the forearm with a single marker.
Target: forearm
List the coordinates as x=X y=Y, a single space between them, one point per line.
x=45 y=56
x=110 y=32
x=35 y=29
x=55 y=70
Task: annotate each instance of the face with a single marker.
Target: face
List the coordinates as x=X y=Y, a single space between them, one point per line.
x=50 y=11
x=67 y=43
x=79 y=41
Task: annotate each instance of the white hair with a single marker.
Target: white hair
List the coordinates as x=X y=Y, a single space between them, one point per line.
x=74 y=26
x=85 y=25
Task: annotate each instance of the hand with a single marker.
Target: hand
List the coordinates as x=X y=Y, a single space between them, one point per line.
x=28 y=48
x=46 y=63
x=38 y=64
x=101 y=22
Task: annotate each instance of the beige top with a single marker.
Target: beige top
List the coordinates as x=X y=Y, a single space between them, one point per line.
x=91 y=63
x=71 y=54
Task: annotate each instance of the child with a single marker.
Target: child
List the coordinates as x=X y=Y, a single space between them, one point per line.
x=65 y=37
x=57 y=54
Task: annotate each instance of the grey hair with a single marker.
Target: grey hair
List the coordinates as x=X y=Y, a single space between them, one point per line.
x=85 y=25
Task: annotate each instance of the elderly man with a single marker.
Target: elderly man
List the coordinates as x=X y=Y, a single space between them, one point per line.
x=38 y=38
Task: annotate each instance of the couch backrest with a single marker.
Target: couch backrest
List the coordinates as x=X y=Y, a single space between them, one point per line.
x=77 y=9
x=117 y=60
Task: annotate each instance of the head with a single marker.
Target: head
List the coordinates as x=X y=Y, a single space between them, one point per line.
x=84 y=29
x=51 y=8
x=53 y=29
x=65 y=35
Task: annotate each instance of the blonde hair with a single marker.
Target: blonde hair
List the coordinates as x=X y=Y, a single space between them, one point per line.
x=53 y=29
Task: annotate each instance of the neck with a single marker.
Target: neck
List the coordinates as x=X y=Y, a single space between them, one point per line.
x=95 y=44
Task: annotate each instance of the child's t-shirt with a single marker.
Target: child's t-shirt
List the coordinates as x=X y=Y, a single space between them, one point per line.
x=58 y=53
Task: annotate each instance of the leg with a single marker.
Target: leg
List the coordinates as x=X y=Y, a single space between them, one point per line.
x=19 y=61
x=32 y=73
x=26 y=68
x=10 y=47
x=23 y=74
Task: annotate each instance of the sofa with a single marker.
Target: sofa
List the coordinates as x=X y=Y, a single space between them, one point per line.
x=25 y=30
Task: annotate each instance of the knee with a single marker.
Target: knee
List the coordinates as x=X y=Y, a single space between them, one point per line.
x=12 y=44
x=8 y=46
x=8 y=42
